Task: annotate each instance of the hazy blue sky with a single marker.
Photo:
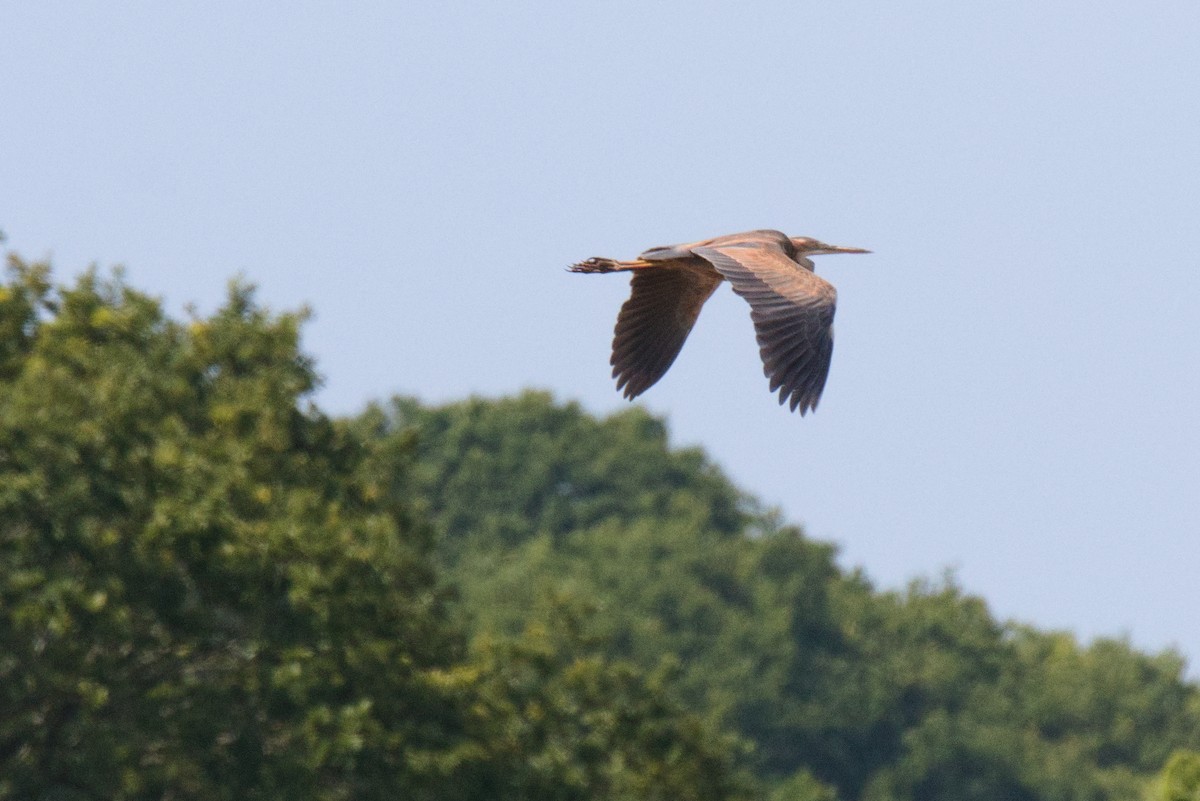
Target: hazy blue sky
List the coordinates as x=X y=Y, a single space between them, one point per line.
x=1015 y=386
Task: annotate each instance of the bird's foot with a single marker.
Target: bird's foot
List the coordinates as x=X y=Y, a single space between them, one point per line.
x=594 y=265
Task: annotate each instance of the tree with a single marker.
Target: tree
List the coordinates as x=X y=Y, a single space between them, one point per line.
x=203 y=591
x=1179 y=779
x=840 y=688
x=495 y=473
x=567 y=722
x=209 y=589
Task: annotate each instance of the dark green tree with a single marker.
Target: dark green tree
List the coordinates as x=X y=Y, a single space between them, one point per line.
x=203 y=591
x=208 y=589
x=1179 y=779
x=495 y=473
x=920 y=694
x=568 y=722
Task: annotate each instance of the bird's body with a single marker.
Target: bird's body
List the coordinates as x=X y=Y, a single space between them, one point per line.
x=791 y=307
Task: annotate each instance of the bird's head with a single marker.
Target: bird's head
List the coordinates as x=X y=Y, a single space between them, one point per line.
x=807 y=246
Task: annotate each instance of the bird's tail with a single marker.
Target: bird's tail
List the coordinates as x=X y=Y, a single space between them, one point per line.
x=598 y=264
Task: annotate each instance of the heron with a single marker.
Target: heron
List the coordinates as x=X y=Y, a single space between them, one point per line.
x=792 y=308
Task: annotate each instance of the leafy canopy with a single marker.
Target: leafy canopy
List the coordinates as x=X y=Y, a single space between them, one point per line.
x=208 y=589
x=839 y=688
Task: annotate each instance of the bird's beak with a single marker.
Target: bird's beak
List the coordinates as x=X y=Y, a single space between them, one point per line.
x=841 y=249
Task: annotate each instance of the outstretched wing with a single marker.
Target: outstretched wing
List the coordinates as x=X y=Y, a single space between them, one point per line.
x=792 y=310
x=654 y=323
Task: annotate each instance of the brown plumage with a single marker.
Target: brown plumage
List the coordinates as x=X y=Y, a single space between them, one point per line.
x=792 y=308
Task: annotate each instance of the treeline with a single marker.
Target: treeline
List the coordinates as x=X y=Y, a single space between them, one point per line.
x=920 y=694
x=210 y=589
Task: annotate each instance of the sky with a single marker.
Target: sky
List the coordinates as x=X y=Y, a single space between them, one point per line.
x=1013 y=394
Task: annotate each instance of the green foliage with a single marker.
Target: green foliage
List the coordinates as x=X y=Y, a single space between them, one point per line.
x=1107 y=698
x=802 y=787
x=203 y=591
x=210 y=590
x=556 y=695
x=495 y=473
x=1179 y=779
x=841 y=689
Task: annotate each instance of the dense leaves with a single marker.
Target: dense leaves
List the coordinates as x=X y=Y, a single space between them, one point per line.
x=202 y=592
x=1179 y=780
x=209 y=589
x=496 y=472
x=920 y=694
x=562 y=698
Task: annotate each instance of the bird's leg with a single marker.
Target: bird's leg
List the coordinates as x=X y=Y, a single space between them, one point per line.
x=597 y=264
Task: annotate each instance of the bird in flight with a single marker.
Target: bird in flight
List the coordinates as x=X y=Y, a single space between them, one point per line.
x=791 y=307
